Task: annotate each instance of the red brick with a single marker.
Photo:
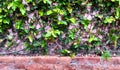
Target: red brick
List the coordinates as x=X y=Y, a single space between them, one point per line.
x=34 y=67
x=49 y=59
x=114 y=61
x=93 y=60
x=80 y=60
x=37 y=66
x=69 y=67
x=37 y=60
x=49 y=67
x=117 y=67
x=84 y=60
x=64 y=60
x=58 y=67
x=58 y=63
x=6 y=68
x=7 y=59
x=85 y=67
x=98 y=68
x=3 y=66
x=19 y=66
x=19 y=59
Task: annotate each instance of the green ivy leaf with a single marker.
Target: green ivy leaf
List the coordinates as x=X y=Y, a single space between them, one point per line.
x=47 y=1
x=113 y=0
x=43 y=44
x=85 y=22
x=92 y=38
x=106 y=55
x=26 y=31
x=30 y=38
x=69 y=9
x=6 y=20
x=65 y=52
x=57 y=32
x=99 y=16
x=1 y=20
x=26 y=44
x=48 y=34
x=117 y=13
x=56 y=10
x=114 y=37
x=62 y=12
x=18 y=24
x=109 y=19
x=9 y=5
x=62 y=22
x=73 y=20
x=41 y=13
x=49 y=12
x=28 y=1
x=0 y=10
x=72 y=35
x=0 y=30
x=22 y=9
x=36 y=43
x=1 y=16
x=14 y=5
x=54 y=34
x=32 y=26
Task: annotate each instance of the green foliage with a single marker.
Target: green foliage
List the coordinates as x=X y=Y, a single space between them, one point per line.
x=65 y=52
x=85 y=22
x=73 y=20
x=106 y=55
x=92 y=38
x=62 y=22
x=22 y=9
x=52 y=33
x=117 y=13
x=38 y=23
x=109 y=19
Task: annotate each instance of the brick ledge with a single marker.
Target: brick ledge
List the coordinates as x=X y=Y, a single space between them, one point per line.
x=57 y=63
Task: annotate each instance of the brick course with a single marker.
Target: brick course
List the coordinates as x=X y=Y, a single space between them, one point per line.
x=57 y=63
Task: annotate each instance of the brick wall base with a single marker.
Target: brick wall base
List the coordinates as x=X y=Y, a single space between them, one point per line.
x=57 y=63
